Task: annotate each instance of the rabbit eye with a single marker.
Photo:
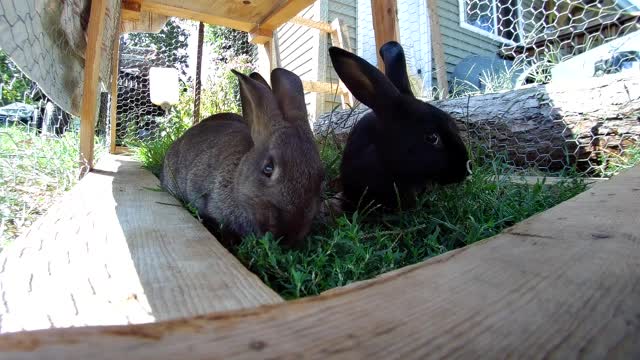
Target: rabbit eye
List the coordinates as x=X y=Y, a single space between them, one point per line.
x=267 y=170
x=432 y=139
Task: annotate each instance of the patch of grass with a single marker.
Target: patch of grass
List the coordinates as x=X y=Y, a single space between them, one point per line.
x=368 y=243
x=34 y=172
x=615 y=163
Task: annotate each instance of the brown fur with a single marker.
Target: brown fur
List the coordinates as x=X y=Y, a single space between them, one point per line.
x=217 y=165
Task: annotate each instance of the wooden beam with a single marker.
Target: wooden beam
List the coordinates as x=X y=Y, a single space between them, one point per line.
x=113 y=116
x=93 y=56
x=322 y=87
x=260 y=36
x=265 y=60
x=280 y=15
x=197 y=89
x=562 y=284
x=438 y=49
x=187 y=13
x=318 y=25
x=385 y=24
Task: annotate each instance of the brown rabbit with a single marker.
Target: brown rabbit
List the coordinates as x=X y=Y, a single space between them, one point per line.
x=252 y=174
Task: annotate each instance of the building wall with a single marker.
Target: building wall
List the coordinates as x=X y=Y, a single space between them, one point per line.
x=298 y=48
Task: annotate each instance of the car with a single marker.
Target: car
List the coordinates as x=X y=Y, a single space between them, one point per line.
x=17 y=112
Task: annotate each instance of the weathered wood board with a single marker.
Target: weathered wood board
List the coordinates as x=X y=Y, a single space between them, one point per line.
x=562 y=284
x=115 y=250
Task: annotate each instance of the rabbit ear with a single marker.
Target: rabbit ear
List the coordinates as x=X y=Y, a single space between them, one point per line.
x=289 y=93
x=257 y=77
x=365 y=82
x=259 y=106
x=395 y=66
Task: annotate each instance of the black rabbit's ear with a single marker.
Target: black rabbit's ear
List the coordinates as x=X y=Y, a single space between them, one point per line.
x=259 y=106
x=395 y=66
x=365 y=82
x=257 y=77
x=287 y=88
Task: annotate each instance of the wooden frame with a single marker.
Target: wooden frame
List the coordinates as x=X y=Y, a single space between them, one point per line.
x=90 y=88
x=561 y=284
x=385 y=24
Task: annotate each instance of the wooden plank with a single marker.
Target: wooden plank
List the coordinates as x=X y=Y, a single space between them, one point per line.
x=321 y=87
x=93 y=55
x=318 y=25
x=115 y=250
x=217 y=12
x=562 y=284
x=260 y=36
x=438 y=49
x=282 y=13
x=265 y=60
x=115 y=62
x=385 y=24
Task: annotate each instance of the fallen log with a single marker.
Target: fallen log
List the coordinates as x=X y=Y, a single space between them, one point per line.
x=545 y=126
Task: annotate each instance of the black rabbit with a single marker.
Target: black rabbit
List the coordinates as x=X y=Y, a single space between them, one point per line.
x=402 y=144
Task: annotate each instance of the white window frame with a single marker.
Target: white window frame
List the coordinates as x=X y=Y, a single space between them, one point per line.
x=496 y=37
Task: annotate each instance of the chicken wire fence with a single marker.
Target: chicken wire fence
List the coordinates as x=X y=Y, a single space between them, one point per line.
x=205 y=88
x=527 y=51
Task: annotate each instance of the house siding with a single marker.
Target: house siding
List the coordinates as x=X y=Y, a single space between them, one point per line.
x=345 y=11
x=457 y=41
x=298 y=51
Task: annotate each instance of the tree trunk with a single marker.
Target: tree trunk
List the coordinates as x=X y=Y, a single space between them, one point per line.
x=545 y=126
x=197 y=91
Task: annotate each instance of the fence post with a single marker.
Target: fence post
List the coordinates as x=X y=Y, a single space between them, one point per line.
x=385 y=24
x=93 y=55
x=438 y=50
x=115 y=68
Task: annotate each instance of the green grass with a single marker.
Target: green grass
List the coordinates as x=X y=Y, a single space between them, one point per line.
x=34 y=172
x=366 y=244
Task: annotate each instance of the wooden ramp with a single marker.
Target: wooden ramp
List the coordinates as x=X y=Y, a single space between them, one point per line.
x=563 y=284
x=115 y=250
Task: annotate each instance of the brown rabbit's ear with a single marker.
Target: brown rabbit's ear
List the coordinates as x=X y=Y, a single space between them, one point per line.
x=257 y=77
x=259 y=106
x=395 y=66
x=365 y=82
x=287 y=88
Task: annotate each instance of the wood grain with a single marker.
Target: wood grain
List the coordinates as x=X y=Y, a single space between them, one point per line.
x=562 y=284
x=385 y=24
x=115 y=73
x=90 y=87
x=115 y=250
x=438 y=48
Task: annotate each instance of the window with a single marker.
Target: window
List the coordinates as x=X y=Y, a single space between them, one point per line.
x=498 y=19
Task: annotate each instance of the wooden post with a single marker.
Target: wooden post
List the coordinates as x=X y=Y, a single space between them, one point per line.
x=115 y=61
x=337 y=40
x=265 y=60
x=197 y=91
x=385 y=24
x=93 y=56
x=438 y=50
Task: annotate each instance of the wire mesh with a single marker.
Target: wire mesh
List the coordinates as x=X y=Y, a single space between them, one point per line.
x=211 y=90
x=506 y=46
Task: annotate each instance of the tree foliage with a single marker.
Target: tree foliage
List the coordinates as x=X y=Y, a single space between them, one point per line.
x=14 y=83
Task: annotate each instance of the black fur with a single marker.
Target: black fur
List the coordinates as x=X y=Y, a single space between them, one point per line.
x=400 y=146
